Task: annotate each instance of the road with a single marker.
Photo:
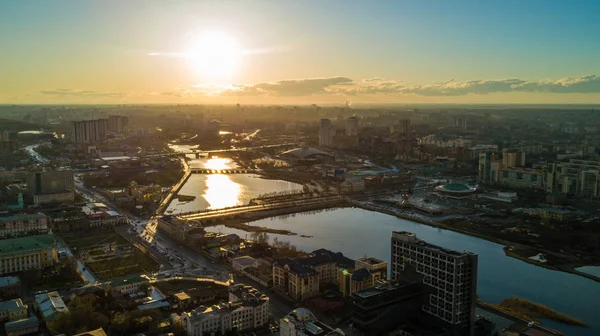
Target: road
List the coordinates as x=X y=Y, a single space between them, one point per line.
x=175 y=257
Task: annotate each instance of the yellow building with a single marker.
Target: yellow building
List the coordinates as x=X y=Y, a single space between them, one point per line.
x=367 y=272
x=25 y=253
x=294 y=279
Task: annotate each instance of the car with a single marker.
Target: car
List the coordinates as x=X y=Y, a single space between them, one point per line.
x=167 y=275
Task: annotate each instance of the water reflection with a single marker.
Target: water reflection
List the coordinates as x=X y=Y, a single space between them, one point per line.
x=221 y=191
x=218 y=163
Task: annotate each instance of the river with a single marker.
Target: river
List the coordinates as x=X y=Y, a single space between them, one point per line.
x=215 y=191
x=356 y=233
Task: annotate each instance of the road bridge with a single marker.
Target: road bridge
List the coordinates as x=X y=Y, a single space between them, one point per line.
x=223 y=171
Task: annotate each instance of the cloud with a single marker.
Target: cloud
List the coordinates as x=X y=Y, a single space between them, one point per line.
x=581 y=84
x=80 y=93
x=291 y=87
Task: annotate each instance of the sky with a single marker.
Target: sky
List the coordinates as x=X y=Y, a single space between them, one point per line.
x=299 y=52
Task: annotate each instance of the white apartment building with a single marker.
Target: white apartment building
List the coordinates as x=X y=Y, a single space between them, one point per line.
x=249 y=310
x=522 y=178
x=435 y=141
x=576 y=177
x=17 y=225
x=452 y=276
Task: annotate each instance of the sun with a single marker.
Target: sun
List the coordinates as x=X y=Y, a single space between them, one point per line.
x=214 y=55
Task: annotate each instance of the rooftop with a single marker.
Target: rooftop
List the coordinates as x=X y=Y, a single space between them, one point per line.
x=9 y=280
x=50 y=304
x=22 y=324
x=411 y=238
x=96 y=332
x=128 y=281
x=245 y=260
x=371 y=260
x=11 y=305
x=23 y=244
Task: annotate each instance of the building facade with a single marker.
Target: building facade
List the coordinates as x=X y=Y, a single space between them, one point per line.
x=52 y=186
x=20 y=225
x=26 y=326
x=25 y=253
x=326 y=133
x=10 y=287
x=579 y=178
x=12 y=310
x=521 y=178
x=367 y=273
x=90 y=131
x=249 y=310
x=352 y=126
x=117 y=123
x=129 y=285
x=301 y=278
x=451 y=275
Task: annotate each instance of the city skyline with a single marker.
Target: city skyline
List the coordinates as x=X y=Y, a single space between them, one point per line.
x=256 y=52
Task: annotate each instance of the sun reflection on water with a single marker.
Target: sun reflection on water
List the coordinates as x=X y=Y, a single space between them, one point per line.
x=221 y=191
x=217 y=163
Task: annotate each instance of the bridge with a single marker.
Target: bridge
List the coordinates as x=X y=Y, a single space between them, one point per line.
x=264 y=210
x=223 y=171
x=200 y=152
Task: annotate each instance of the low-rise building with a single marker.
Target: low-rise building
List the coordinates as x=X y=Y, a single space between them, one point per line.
x=175 y=227
x=12 y=310
x=523 y=178
x=21 y=327
x=129 y=285
x=241 y=263
x=249 y=311
x=24 y=253
x=23 y=224
x=95 y=332
x=302 y=322
x=10 y=287
x=49 y=305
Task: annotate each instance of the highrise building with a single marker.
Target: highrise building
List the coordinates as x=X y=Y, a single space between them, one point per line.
x=489 y=167
x=512 y=157
x=352 y=126
x=450 y=275
x=90 y=131
x=460 y=121
x=117 y=123
x=326 y=133
x=51 y=186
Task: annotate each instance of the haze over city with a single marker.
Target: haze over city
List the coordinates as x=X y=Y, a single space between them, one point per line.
x=297 y=52
x=299 y=168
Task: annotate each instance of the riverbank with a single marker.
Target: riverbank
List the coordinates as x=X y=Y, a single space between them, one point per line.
x=550 y=260
x=530 y=311
x=244 y=226
x=563 y=267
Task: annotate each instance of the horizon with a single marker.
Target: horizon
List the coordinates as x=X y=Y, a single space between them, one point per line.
x=290 y=53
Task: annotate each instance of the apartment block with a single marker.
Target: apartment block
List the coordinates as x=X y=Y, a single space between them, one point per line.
x=580 y=178
x=249 y=310
x=89 y=131
x=302 y=278
x=451 y=276
x=521 y=178
x=367 y=273
x=23 y=224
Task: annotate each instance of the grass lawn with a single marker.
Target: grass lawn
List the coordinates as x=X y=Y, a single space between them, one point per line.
x=138 y=262
x=84 y=240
